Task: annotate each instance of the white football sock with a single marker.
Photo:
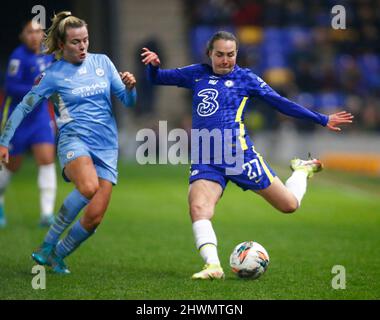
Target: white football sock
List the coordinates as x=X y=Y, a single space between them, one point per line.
x=297 y=183
x=5 y=176
x=205 y=240
x=47 y=183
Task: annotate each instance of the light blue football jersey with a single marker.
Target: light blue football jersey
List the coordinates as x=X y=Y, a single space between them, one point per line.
x=81 y=94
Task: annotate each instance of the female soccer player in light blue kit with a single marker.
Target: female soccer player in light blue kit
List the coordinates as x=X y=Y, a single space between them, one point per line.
x=80 y=85
x=220 y=92
x=36 y=132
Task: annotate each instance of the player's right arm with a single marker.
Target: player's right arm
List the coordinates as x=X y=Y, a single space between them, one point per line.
x=40 y=91
x=181 y=77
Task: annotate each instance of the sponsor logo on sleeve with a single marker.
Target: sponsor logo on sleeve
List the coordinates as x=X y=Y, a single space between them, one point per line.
x=39 y=78
x=14 y=65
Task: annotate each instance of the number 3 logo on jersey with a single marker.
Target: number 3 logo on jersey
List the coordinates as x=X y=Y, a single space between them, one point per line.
x=209 y=105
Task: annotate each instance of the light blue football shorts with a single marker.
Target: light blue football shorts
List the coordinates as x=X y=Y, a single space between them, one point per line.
x=70 y=147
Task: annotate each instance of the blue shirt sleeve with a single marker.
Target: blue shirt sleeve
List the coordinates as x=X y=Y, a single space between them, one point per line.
x=118 y=88
x=181 y=77
x=19 y=113
x=43 y=88
x=14 y=81
x=257 y=87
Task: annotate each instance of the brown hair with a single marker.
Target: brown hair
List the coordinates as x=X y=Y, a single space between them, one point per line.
x=57 y=32
x=220 y=35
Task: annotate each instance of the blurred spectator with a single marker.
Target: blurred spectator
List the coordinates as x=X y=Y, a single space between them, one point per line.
x=248 y=13
x=292 y=45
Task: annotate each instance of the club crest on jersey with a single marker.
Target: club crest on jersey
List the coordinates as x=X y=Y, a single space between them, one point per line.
x=209 y=104
x=229 y=83
x=99 y=72
x=70 y=154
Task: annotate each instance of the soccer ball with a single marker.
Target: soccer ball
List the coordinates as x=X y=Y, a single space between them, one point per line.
x=249 y=260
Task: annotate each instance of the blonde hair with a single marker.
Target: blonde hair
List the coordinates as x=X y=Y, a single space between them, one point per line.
x=57 y=32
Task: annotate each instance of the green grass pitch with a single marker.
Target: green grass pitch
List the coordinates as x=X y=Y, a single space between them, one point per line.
x=144 y=248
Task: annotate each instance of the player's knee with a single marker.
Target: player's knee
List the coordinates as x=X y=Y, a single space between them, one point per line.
x=289 y=207
x=200 y=211
x=88 y=189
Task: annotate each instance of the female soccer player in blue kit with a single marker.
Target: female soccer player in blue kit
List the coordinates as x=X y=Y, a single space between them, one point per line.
x=80 y=85
x=220 y=93
x=36 y=132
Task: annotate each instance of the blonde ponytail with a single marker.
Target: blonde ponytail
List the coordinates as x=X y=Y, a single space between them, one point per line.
x=57 y=32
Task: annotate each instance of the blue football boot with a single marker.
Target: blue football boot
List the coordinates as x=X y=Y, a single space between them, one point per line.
x=41 y=255
x=57 y=264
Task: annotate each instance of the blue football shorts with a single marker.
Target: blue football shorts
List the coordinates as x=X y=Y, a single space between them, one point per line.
x=28 y=135
x=252 y=173
x=71 y=147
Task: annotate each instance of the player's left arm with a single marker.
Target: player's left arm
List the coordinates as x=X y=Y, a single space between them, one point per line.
x=292 y=109
x=123 y=85
x=129 y=95
x=338 y=118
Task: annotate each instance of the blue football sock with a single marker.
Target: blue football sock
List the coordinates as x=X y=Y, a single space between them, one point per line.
x=72 y=205
x=73 y=239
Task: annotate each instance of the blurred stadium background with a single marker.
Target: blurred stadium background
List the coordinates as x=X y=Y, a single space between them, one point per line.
x=292 y=45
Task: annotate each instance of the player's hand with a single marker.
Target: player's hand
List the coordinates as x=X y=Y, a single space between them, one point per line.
x=4 y=155
x=128 y=79
x=150 y=57
x=337 y=119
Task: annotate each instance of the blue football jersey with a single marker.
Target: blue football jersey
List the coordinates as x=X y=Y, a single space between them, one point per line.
x=219 y=101
x=81 y=94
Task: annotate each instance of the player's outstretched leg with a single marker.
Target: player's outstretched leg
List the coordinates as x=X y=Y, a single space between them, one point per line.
x=203 y=195
x=309 y=166
x=302 y=170
x=5 y=175
x=287 y=198
x=47 y=183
